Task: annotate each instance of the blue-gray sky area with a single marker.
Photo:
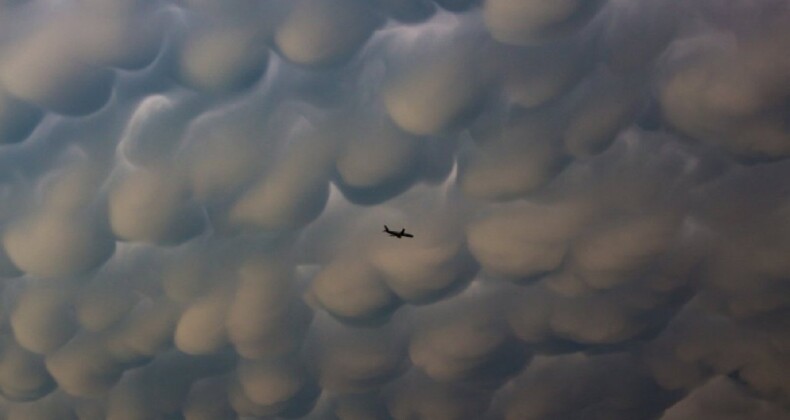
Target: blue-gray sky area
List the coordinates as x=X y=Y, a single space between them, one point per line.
x=193 y=195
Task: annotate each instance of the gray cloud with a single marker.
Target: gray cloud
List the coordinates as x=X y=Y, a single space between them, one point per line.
x=720 y=398
x=528 y=22
x=193 y=193
x=319 y=33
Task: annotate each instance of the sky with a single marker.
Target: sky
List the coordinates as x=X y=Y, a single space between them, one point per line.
x=193 y=193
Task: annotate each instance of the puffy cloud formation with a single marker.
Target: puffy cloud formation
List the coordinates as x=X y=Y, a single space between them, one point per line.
x=65 y=63
x=324 y=32
x=223 y=57
x=608 y=386
x=433 y=97
x=729 y=92
x=153 y=206
x=193 y=192
x=17 y=119
x=721 y=398
x=526 y=22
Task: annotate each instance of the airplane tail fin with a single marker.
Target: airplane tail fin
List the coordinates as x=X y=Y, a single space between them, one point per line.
x=385 y=228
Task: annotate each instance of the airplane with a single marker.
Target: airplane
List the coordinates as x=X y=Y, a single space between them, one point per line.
x=397 y=234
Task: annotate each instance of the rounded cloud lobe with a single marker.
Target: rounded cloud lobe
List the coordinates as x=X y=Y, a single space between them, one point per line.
x=193 y=195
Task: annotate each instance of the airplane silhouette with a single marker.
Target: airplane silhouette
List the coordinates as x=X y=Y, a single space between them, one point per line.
x=397 y=234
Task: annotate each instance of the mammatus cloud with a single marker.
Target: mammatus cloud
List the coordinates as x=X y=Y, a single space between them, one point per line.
x=192 y=195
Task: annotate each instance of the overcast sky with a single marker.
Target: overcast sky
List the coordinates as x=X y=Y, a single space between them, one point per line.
x=193 y=193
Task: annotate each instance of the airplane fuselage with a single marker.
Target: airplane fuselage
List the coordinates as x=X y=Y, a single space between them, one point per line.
x=397 y=234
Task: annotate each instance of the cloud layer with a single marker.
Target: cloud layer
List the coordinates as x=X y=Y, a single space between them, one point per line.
x=193 y=192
